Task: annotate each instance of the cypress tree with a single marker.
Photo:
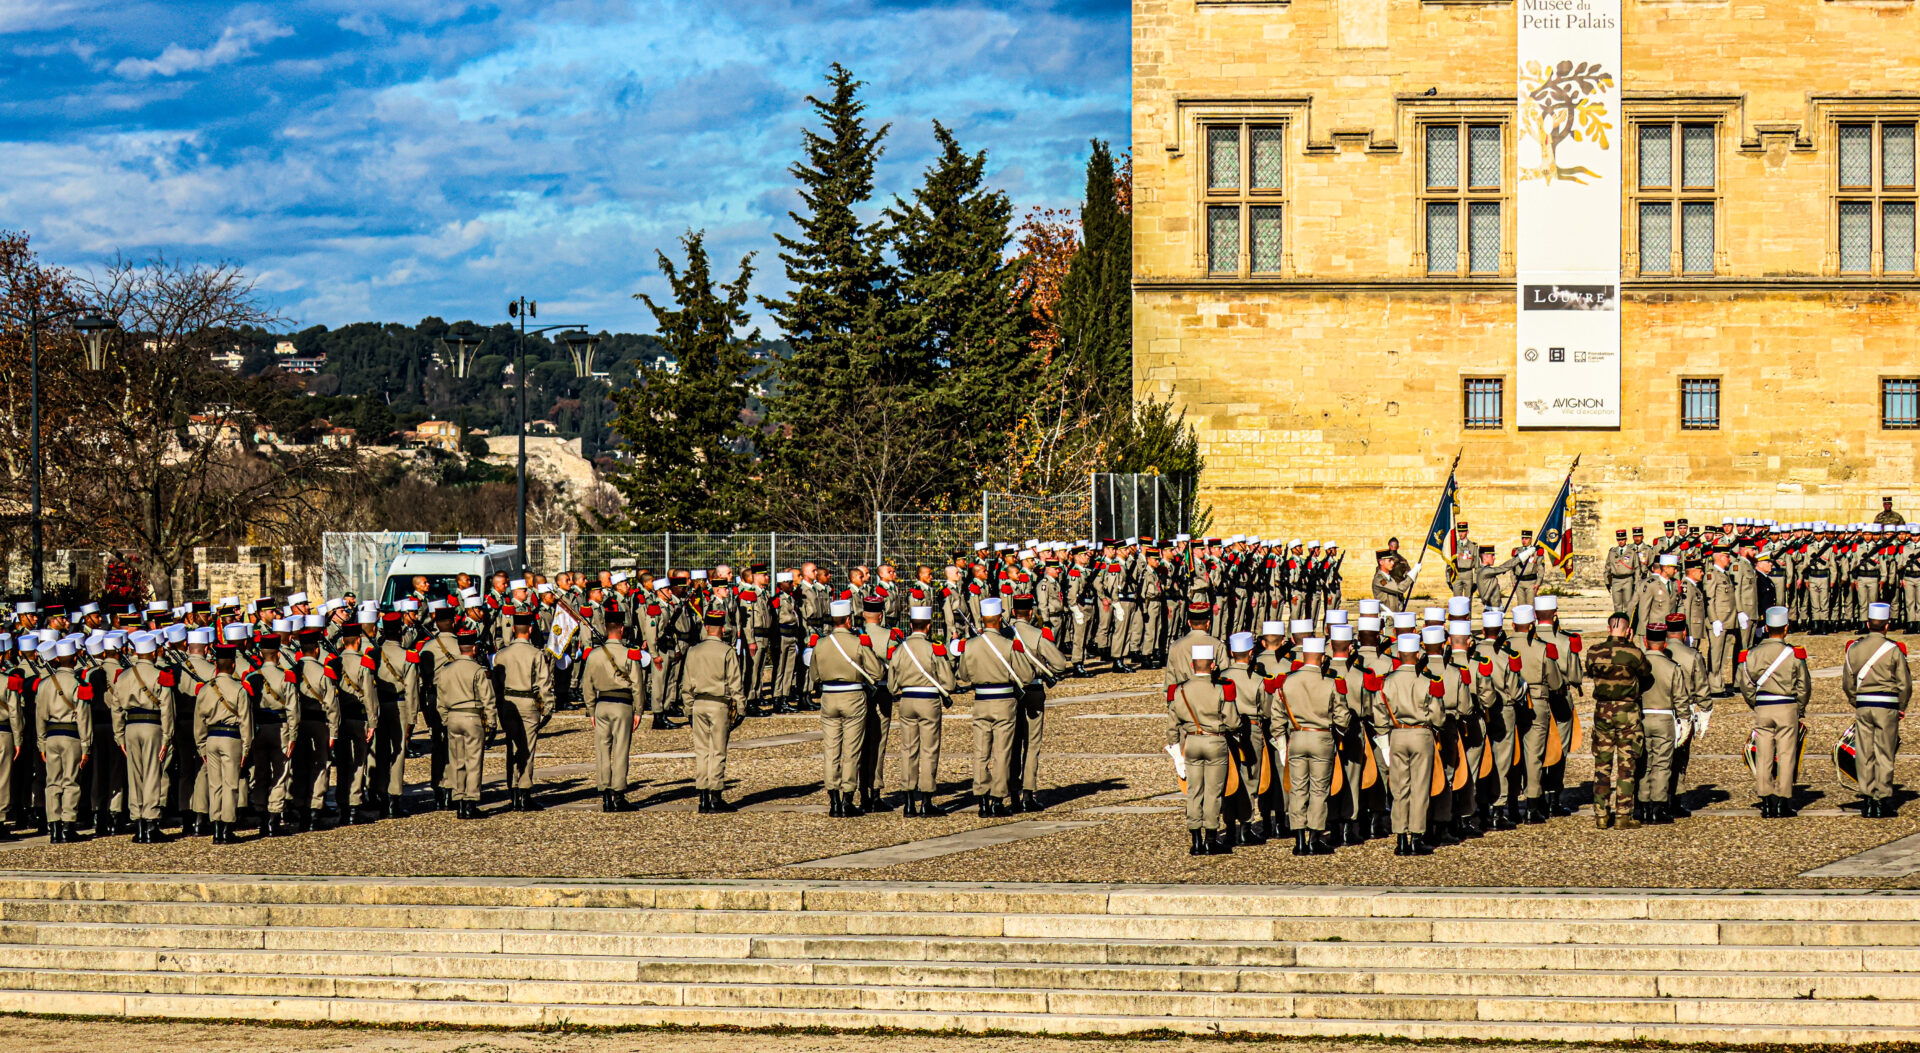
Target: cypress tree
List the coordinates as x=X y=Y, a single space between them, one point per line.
x=691 y=447
x=1096 y=300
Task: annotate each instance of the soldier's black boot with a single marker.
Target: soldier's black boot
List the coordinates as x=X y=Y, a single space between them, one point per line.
x=55 y=836
x=1537 y=811
x=442 y=798
x=1219 y=844
x=528 y=804
x=911 y=809
x=1785 y=807
x=1403 y=845
x=1302 y=843
x=1250 y=833
x=1356 y=831
x=1886 y=808
x=1199 y=847
x=606 y=800
x=1419 y=844
x=850 y=807
x=718 y=804
x=877 y=802
x=154 y=834
x=1273 y=825
x=395 y=808
x=1002 y=809
x=311 y=821
x=705 y=805
x=1030 y=802
x=833 y=804
x=986 y=806
x=1383 y=823
x=1678 y=808
x=1322 y=844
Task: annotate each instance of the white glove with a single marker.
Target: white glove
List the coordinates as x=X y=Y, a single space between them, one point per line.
x=806 y=657
x=1719 y=629
x=1415 y=570
x=1701 y=717
x=1743 y=621
x=1179 y=762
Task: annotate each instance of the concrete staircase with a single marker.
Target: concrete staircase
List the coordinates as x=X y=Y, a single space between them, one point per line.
x=1481 y=964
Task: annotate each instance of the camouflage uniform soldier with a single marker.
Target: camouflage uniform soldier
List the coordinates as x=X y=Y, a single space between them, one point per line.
x=1620 y=673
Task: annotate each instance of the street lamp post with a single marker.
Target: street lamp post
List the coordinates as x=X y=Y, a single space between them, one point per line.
x=580 y=345
x=93 y=328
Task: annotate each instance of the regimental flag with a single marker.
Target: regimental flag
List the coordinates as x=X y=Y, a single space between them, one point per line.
x=1441 y=537
x=1556 y=532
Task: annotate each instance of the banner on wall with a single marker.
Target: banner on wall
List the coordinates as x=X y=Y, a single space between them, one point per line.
x=1567 y=251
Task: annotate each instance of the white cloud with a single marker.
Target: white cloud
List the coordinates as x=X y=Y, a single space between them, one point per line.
x=236 y=42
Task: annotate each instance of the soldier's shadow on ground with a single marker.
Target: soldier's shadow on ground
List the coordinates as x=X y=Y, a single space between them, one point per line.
x=1051 y=796
x=780 y=793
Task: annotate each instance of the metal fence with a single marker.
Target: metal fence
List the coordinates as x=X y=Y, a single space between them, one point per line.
x=1135 y=505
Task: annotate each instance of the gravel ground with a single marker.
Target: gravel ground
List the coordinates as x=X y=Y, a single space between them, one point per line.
x=1088 y=763
x=28 y=1035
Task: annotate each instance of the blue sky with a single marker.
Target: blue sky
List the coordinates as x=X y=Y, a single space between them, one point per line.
x=390 y=160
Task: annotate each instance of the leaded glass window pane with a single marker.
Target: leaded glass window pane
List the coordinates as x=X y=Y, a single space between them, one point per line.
x=1696 y=155
x=1223 y=158
x=1656 y=237
x=1896 y=155
x=1696 y=237
x=1223 y=239
x=1699 y=404
x=1268 y=151
x=1483 y=398
x=1266 y=239
x=1856 y=155
x=1483 y=155
x=1856 y=235
x=1483 y=237
x=1656 y=155
x=1900 y=403
x=1443 y=155
x=1443 y=237
x=1896 y=237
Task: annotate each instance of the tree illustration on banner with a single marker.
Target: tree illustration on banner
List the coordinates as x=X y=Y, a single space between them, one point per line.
x=1564 y=107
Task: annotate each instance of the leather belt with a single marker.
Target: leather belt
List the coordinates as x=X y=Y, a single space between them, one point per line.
x=1863 y=703
x=223 y=733
x=919 y=692
x=1773 y=700
x=63 y=727
x=614 y=699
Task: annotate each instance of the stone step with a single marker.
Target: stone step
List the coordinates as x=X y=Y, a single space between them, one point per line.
x=1145 y=1005
x=56 y=1001
x=15 y=913
x=534 y=897
x=259 y=969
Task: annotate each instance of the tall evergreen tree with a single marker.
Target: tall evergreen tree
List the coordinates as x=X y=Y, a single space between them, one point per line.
x=1096 y=300
x=962 y=308
x=685 y=428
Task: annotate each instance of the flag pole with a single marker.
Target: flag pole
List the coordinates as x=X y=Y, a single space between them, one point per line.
x=1444 y=484
x=1565 y=485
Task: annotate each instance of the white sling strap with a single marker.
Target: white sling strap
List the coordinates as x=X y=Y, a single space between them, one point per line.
x=1861 y=677
x=1785 y=653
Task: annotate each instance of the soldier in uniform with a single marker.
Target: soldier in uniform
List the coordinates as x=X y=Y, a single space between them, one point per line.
x=1246 y=749
x=273 y=685
x=762 y=638
x=1878 y=683
x=998 y=669
x=1490 y=581
x=1080 y=598
x=1546 y=613
x=920 y=671
x=1391 y=592
x=65 y=732
x=1316 y=710
x=791 y=625
x=525 y=689
x=1699 y=703
x=1621 y=674
x=142 y=728
x=1411 y=702
x=223 y=733
x=1887 y=516
x=1466 y=563
x=843 y=670
x=464 y=692
x=612 y=684
x=1663 y=709
x=358 y=696
x=397 y=692
x=317 y=686
x=1774 y=680
x=1540 y=669
x=1201 y=713
x=713 y=683
x=1623 y=572
x=879 y=713
x=1654 y=598
x=1721 y=596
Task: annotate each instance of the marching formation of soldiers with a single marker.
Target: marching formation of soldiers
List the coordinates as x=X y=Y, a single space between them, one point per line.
x=1296 y=718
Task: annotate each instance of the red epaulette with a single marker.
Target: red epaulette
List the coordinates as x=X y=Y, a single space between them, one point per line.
x=331 y=671
x=813 y=640
x=846 y=594
x=864 y=642
x=491 y=602
x=1074 y=573
x=974 y=588
x=1465 y=677
x=939 y=651
x=653 y=610
x=1553 y=653
x=1227 y=692
x=1371 y=681
x=1436 y=689
x=918 y=594
x=366 y=660
x=116 y=674
x=1396 y=663
x=749 y=596
x=1514 y=663
x=1574 y=643
x=1849 y=645
x=1048 y=634
x=880 y=592
x=1486 y=668
x=959 y=647
x=244 y=686
x=86 y=692
x=1297 y=663
x=1340 y=684
x=1901 y=646
x=413 y=657
x=1273 y=684
x=1800 y=653
x=896 y=635
x=167 y=679
x=1018 y=649
x=634 y=654
x=1742 y=659
x=1172 y=689
x=16 y=682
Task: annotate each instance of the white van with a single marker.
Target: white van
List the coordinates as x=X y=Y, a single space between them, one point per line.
x=441 y=562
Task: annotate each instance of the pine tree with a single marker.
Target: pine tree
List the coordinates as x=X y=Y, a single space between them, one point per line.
x=691 y=448
x=964 y=314
x=1096 y=301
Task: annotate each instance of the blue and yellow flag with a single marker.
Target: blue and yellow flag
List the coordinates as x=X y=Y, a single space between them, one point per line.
x=1440 y=534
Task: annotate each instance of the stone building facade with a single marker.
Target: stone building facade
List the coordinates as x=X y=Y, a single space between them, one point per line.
x=1323 y=264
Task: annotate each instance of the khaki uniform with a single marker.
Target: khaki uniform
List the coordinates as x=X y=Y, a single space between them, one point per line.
x=843 y=671
x=1502 y=694
x=1623 y=574
x=1412 y=704
x=358 y=698
x=1391 y=593
x=1030 y=719
x=998 y=669
x=1316 y=711
x=1721 y=643
x=716 y=702
x=608 y=686
x=1878 y=683
x=1653 y=601
x=223 y=733
x=1540 y=669
x=1663 y=705
x=1699 y=699
x=319 y=729
x=1774 y=679
x=1200 y=714
x=275 y=727
x=464 y=694
x=64 y=727
x=763 y=641
x=397 y=689
x=142 y=727
x=1179 y=668
x=923 y=676
x=526 y=697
